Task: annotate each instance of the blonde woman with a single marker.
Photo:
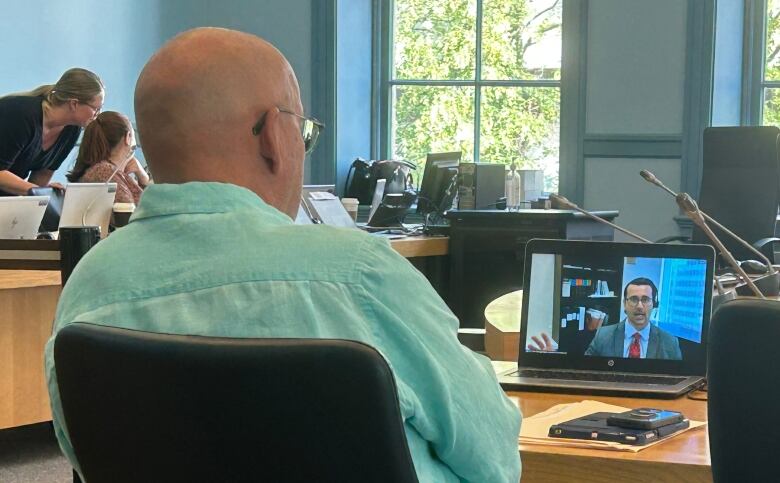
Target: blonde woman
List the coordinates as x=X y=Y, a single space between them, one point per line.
x=38 y=129
x=106 y=154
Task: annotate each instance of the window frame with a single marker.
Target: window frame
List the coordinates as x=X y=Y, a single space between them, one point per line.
x=384 y=84
x=754 y=68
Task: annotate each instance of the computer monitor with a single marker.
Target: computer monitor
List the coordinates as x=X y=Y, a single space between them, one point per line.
x=440 y=168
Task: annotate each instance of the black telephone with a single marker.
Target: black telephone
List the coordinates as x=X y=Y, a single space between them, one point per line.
x=362 y=176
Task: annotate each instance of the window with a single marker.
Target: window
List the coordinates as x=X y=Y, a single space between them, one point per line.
x=478 y=76
x=770 y=82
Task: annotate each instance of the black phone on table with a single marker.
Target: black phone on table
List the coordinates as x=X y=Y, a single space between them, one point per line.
x=645 y=418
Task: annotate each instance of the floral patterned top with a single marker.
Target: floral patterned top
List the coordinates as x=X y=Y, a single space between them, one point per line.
x=127 y=188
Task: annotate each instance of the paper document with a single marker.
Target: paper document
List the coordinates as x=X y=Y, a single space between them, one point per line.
x=330 y=211
x=535 y=428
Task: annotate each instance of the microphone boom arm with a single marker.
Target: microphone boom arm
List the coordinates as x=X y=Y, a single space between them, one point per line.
x=565 y=202
x=690 y=208
x=652 y=179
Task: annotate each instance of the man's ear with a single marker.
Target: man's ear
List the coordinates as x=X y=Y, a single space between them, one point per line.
x=271 y=139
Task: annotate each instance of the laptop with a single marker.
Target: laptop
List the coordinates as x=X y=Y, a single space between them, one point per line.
x=583 y=302
x=20 y=216
x=376 y=200
x=88 y=204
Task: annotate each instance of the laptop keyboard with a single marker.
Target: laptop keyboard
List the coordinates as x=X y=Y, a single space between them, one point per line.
x=600 y=377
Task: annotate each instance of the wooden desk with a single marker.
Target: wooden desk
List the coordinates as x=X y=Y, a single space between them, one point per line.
x=28 y=300
x=684 y=458
x=421 y=246
x=502 y=327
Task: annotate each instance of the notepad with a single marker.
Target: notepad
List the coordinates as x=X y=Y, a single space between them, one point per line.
x=535 y=428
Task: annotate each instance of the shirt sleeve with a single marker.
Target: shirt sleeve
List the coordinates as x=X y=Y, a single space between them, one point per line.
x=15 y=135
x=448 y=394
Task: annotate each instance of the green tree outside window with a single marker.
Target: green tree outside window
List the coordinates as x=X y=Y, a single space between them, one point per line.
x=477 y=76
x=771 y=112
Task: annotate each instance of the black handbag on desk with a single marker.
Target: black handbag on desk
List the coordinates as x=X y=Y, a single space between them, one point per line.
x=362 y=176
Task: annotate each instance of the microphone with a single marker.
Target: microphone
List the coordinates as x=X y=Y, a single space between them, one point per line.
x=652 y=179
x=686 y=203
x=563 y=201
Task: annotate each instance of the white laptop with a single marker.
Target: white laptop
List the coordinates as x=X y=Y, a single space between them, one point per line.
x=20 y=216
x=88 y=204
x=582 y=303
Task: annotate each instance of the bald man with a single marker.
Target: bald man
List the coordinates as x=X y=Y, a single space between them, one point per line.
x=220 y=120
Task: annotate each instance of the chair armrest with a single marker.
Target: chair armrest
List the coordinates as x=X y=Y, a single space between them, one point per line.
x=667 y=239
x=760 y=244
x=766 y=246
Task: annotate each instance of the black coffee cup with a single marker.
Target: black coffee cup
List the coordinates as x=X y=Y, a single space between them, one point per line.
x=75 y=241
x=122 y=213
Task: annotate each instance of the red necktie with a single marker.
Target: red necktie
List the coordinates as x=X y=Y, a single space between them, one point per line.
x=634 y=350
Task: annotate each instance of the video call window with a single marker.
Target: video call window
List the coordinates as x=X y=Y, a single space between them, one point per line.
x=633 y=307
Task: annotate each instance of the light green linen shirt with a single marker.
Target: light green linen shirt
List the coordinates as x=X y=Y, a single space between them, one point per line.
x=215 y=260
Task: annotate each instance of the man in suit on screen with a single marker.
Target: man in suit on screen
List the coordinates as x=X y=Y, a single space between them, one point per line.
x=635 y=337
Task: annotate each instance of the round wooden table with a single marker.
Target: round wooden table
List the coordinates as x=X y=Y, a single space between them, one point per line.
x=502 y=326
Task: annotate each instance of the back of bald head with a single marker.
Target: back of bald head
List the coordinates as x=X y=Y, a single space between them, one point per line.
x=198 y=97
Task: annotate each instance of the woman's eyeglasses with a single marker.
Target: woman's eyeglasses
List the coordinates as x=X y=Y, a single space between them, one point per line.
x=310 y=129
x=95 y=110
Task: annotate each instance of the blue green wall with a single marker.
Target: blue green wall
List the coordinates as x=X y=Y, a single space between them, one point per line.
x=42 y=38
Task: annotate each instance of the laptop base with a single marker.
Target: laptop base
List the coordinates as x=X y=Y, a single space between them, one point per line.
x=607 y=388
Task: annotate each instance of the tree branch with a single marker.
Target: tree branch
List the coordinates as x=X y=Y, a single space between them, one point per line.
x=551 y=7
x=771 y=57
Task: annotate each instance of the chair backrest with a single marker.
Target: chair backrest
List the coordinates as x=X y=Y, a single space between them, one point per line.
x=743 y=393
x=141 y=406
x=740 y=184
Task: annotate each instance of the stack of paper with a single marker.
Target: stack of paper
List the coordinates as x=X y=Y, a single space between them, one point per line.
x=535 y=428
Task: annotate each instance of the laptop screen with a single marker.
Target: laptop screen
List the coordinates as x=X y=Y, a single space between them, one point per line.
x=592 y=301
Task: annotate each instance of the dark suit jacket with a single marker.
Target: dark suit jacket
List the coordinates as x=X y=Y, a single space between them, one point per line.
x=609 y=343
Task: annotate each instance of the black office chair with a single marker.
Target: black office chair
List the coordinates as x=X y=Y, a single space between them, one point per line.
x=740 y=187
x=151 y=407
x=743 y=394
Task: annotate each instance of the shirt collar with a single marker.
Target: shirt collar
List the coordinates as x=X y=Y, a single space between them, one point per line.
x=630 y=331
x=200 y=198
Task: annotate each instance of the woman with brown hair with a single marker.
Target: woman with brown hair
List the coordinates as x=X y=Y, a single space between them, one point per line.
x=39 y=128
x=106 y=155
